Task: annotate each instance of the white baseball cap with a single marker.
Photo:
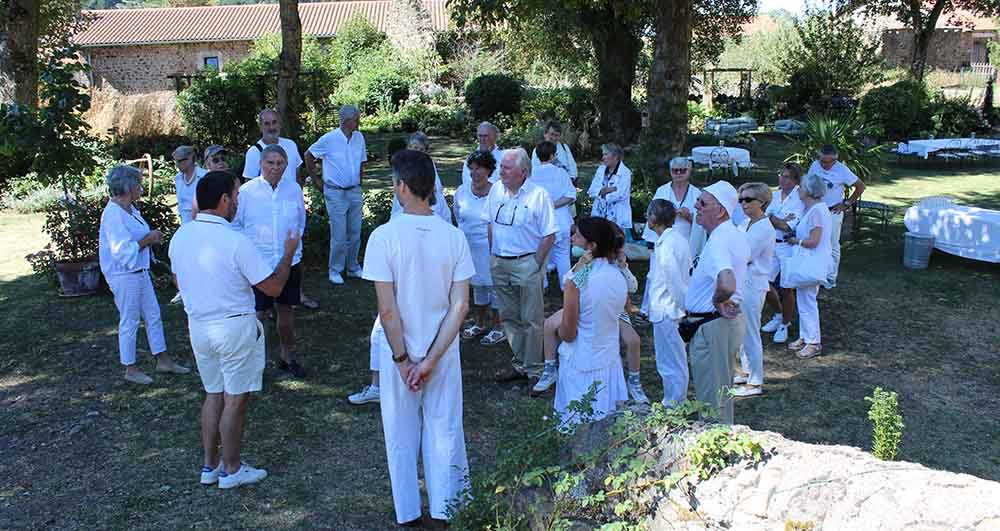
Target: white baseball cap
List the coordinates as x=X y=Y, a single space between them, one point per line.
x=725 y=194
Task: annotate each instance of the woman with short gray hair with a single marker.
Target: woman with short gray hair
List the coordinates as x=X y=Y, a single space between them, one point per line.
x=611 y=189
x=418 y=141
x=123 y=248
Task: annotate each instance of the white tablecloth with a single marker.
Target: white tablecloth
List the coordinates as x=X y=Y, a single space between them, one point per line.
x=922 y=148
x=703 y=154
x=960 y=230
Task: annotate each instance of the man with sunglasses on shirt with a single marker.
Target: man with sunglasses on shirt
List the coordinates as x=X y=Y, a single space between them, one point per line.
x=837 y=177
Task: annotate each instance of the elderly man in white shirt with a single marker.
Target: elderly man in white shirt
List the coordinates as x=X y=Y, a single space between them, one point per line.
x=270 y=129
x=522 y=229
x=713 y=298
x=421 y=268
x=611 y=188
x=343 y=152
x=837 y=177
x=270 y=207
x=563 y=156
x=558 y=185
x=215 y=268
x=488 y=134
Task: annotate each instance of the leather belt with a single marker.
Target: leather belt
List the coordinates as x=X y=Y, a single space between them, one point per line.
x=514 y=257
x=344 y=189
x=702 y=315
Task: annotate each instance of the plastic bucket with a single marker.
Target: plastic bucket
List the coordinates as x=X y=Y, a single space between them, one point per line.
x=917 y=250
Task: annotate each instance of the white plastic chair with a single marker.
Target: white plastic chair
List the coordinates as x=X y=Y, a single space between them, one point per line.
x=936 y=201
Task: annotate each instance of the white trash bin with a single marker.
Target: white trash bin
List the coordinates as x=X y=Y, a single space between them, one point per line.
x=917 y=250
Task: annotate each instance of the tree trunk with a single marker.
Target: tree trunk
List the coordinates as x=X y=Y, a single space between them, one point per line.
x=923 y=32
x=291 y=61
x=18 y=52
x=617 y=52
x=669 y=80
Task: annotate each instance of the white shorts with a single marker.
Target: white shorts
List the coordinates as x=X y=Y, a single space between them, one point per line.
x=484 y=295
x=230 y=354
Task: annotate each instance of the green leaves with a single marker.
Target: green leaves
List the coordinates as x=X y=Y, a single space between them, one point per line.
x=887 y=424
x=852 y=137
x=719 y=447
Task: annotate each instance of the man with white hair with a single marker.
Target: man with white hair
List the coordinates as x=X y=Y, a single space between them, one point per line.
x=343 y=152
x=488 y=134
x=837 y=177
x=563 y=156
x=270 y=129
x=713 y=298
x=522 y=228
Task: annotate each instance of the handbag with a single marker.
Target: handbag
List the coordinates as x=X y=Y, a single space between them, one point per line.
x=687 y=329
x=804 y=267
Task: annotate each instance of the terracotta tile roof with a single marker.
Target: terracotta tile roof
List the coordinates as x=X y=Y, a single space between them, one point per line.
x=958 y=19
x=124 y=27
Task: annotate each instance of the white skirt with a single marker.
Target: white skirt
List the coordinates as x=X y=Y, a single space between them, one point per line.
x=573 y=384
x=781 y=250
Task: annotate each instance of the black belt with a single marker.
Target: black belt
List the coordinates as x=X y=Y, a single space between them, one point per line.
x=138 y=271
x=235 y=315
x=344 y=189
x=513 y=257
x=702 y=315
x=779 y=241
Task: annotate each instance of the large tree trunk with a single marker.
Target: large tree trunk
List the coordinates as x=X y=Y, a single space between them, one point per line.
x=291 y=61
x=18 y=52
x=617 y=52
x=669 y=80
x=923 y=32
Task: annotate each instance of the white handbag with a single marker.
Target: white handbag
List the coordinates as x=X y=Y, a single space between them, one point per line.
x=804 y=267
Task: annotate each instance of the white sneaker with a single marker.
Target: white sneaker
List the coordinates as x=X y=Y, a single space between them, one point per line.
x=244 y=476
x=549 y=376
x=744 y=391
x=635 y=390
x=369 y=393
x=781 y=334
x=209 y=475
x=771 y=326
x=336 y=278
x=739 y=378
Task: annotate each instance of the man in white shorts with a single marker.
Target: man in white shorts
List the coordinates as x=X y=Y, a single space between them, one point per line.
x=215 y=268
x=421 y=266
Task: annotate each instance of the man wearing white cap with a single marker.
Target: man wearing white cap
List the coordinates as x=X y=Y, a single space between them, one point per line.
x=713 y=299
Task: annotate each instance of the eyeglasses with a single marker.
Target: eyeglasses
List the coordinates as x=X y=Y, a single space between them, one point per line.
x=748 y=199
x=505 y=221
x=217 y=159
x=678 y=170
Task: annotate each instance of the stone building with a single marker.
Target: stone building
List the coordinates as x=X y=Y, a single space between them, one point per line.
x=959 y=41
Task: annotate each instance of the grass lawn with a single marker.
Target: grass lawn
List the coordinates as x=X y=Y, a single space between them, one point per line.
x=82 y=449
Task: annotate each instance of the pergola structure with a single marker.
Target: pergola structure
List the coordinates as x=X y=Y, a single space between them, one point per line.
x=746 y=83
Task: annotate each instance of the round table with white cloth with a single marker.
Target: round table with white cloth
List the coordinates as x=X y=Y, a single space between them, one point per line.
x=714 y=155
x=960 y=230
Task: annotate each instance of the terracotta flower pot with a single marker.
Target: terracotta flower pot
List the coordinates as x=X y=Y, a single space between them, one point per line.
x=77 y=279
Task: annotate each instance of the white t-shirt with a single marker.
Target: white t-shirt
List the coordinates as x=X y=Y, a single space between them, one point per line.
x=342 y=158
x=215 y=267
x=266 y=214
x=760 y=237
x=494 y=177
x=186 y=193
x=469 y=213
x=519 y=221
x=563 y=158
x=558 y=185
x=726 y=248
x=422 y=256
x=118 y=240
x=251 y=165
x=792 y=204
x=837 y=177
x=686 y=200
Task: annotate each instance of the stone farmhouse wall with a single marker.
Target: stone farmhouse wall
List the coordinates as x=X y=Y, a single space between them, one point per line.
x=950 y=49
x=144 y=69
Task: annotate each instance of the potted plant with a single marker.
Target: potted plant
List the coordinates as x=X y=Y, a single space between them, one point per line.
x=73 y=226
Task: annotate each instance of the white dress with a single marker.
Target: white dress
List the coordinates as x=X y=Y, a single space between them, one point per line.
x=468 y=213
x=594 y=355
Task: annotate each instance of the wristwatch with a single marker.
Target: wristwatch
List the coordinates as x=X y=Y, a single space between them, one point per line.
x=400 y=358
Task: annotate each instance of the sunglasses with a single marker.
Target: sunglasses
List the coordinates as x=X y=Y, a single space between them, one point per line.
x=217 y=159
x=678 y=170
x=748 y=199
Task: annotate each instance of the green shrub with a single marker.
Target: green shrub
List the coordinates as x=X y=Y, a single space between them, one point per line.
x=955 y=117
x=432 y=119
x=491 y=95
x=381 y=83
x=887 y=429
x=897 y=111
x=574 y=107
x=849 y=134
x=696 y=116
x=221 y=109
x=353 y=43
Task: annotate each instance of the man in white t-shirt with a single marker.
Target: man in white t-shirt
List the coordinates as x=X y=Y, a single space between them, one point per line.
x=488 y=134
x=421 y=268
x=270 y=129
x=216 y=268
x=343 y=151
x=558 y=185
x=563 y=156
x=714 y=296
x=837 y=177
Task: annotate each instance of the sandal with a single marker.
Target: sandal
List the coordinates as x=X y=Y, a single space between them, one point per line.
x=495 y=337
x=473 y=331
x=309 y=304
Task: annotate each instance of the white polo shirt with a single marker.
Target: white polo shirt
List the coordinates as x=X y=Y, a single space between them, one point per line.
x=469 y=213
x=342 y=158
x=836 y=178
x=251 y=165
x=215 y=267
x=186 y=193
x=687 y=200
x=521 y=220
x=422 y=256
x=558 y=185
x=563 y=159
x=266 y=214
x=726 y=248
x=494 y=177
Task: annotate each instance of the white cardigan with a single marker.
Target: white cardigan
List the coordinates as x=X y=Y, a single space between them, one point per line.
x=616 y=205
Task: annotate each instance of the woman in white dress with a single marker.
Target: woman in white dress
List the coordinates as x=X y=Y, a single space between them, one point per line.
x=754 y=198
x=812 y=232
x=419 y=142
x=592 y=302
x=611 y=188
x=784 y=211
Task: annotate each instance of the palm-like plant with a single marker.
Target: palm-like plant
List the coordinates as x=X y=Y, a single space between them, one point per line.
x=850 y=136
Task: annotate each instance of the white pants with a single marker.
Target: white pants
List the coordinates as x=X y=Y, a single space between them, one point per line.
x=230 y=353
x=837 y=222
x=752 y=353
x=377 y=339
x=430 y=422
x=808 y=307
x=559 y=258
x=671 y=361
x=345 y=210
x=135 y=298
x=644 y=307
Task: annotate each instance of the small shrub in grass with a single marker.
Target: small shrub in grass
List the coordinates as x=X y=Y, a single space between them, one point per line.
x=955 y=117
x=491 y=95
x=887 y=424
x=897 y=111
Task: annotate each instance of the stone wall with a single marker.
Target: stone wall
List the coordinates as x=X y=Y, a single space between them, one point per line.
x=950 y=49
x=144 y=69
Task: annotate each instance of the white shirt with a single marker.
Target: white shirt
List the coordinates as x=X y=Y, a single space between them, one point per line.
x=558 y=185
x=251 y=166
x=440 y=206
x=686 y=200
x=342 y=158
x=469 y=213
x=781 y=208
x=215 y=268
x=669 y=275
x=836 y=178
x=817 y=216
x=563 y=158
x=615 y=206
x=266 y=214
x=602 y=298
x=519 y=221
x=494 y=177
x=186 y=193
x=422 y=256
x=726 y=248
x=760 y=237
x=118 y=240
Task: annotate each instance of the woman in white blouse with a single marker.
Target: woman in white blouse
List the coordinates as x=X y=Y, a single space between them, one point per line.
x=812 y=232
x=593 y=298
x=124 y=242
x=754 y=198
x=611 y=188
x=419 y=142
x=784 y=211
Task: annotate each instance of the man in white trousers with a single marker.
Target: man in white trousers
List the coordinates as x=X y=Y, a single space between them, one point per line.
x=421 y=268
x=837 y=176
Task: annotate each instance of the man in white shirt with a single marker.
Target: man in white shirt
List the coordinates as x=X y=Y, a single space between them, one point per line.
x=186 y=181
x=713 y=296
x=421 y=268
x=270 y=207
x=564 y=155
x=270 y=129
x=343 y=152
x=522 y=228
x=215 y=268
x=837 y=177
x=488 y=134
x=558 y=185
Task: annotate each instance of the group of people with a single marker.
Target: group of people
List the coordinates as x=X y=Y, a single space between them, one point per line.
x=717 y=257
